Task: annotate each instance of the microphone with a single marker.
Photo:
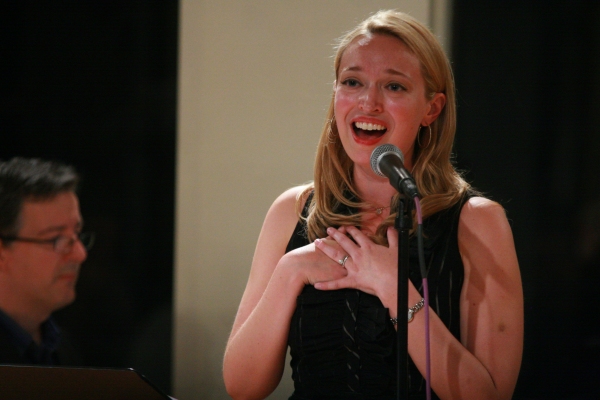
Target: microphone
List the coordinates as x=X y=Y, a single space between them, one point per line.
x=387 y=160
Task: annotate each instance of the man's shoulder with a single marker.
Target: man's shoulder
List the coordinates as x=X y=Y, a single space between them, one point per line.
x=9 y=353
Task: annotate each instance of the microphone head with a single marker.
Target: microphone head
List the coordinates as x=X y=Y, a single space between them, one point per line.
x=379 y=152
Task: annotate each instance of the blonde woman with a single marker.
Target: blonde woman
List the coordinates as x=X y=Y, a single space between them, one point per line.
x=323 y=277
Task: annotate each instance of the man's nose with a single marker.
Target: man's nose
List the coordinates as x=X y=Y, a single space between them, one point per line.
x=78 y=252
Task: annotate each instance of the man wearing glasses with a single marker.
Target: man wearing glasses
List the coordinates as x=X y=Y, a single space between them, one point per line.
x=41 y=250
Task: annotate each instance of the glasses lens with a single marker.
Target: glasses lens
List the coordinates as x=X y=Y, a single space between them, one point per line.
x=87 y=239
x=63 y=244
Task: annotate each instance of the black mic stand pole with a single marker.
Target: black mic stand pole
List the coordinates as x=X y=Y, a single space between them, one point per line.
x=403 y=224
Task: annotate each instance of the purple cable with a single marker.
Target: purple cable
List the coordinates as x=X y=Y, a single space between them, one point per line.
x=427 y=348
x=426 y=302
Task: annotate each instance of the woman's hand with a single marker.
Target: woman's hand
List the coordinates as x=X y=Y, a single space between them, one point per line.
x=314 y=265
x=370 y=267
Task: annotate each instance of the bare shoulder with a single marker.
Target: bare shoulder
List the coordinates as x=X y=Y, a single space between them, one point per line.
x=279 y=224
x=285 y=208
x=484 y=235
x=481 y=207
x=480 y=214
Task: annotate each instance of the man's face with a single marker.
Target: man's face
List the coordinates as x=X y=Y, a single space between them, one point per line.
x=40 y=279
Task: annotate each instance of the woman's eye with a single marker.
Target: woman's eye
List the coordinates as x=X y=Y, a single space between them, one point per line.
x=350 y=82
x=396 y=87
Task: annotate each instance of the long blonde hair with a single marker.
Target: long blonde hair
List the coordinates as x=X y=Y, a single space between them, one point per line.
x=440 y=185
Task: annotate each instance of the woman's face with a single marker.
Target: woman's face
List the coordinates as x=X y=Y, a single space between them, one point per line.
x=380 y=98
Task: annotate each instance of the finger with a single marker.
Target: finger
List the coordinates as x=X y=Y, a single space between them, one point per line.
x=344 y=241
x=331 y=249
x=334 y=285
x=392 y=236
x=359 y=237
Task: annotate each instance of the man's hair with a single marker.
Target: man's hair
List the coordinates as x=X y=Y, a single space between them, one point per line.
x=30 y=179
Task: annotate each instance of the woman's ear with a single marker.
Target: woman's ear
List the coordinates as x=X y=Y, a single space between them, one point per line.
x=436 y=105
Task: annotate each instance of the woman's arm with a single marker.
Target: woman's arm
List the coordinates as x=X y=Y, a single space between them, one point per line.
x=256 y=349
x=485 y=363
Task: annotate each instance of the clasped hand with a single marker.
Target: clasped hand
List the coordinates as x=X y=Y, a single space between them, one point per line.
x=371 y=268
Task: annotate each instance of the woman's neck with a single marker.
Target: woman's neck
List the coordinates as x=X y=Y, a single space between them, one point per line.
x=374 y=190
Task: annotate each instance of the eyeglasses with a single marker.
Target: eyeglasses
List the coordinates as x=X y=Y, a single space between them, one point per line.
x=61 y=244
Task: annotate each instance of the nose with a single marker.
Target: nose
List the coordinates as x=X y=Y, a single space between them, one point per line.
x=370 y=100
x=78 y=252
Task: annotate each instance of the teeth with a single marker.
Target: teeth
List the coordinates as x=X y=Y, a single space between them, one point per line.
x=367 y=126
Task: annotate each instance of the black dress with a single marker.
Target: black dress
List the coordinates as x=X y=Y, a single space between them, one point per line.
x=342 y=343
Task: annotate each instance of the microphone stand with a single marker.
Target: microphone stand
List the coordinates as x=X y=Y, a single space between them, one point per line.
x=403 y=224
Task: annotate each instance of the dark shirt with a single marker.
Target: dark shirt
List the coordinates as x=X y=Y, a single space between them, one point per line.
x=18 y=347
x=342 y=343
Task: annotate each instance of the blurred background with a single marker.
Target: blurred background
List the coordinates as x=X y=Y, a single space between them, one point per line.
x=101 y=85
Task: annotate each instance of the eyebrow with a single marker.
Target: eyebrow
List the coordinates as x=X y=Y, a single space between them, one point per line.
x=59 y=228
x=390 y=71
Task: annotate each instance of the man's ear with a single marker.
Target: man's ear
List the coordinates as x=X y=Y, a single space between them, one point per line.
x=2 y=255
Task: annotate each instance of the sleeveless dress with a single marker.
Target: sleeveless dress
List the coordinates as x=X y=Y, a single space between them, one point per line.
x=342 y=343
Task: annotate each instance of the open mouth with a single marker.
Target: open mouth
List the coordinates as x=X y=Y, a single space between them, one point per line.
x=368 y=131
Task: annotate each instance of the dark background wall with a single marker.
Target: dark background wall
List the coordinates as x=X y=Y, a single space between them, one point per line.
x=528 y=77
x=94 y=84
